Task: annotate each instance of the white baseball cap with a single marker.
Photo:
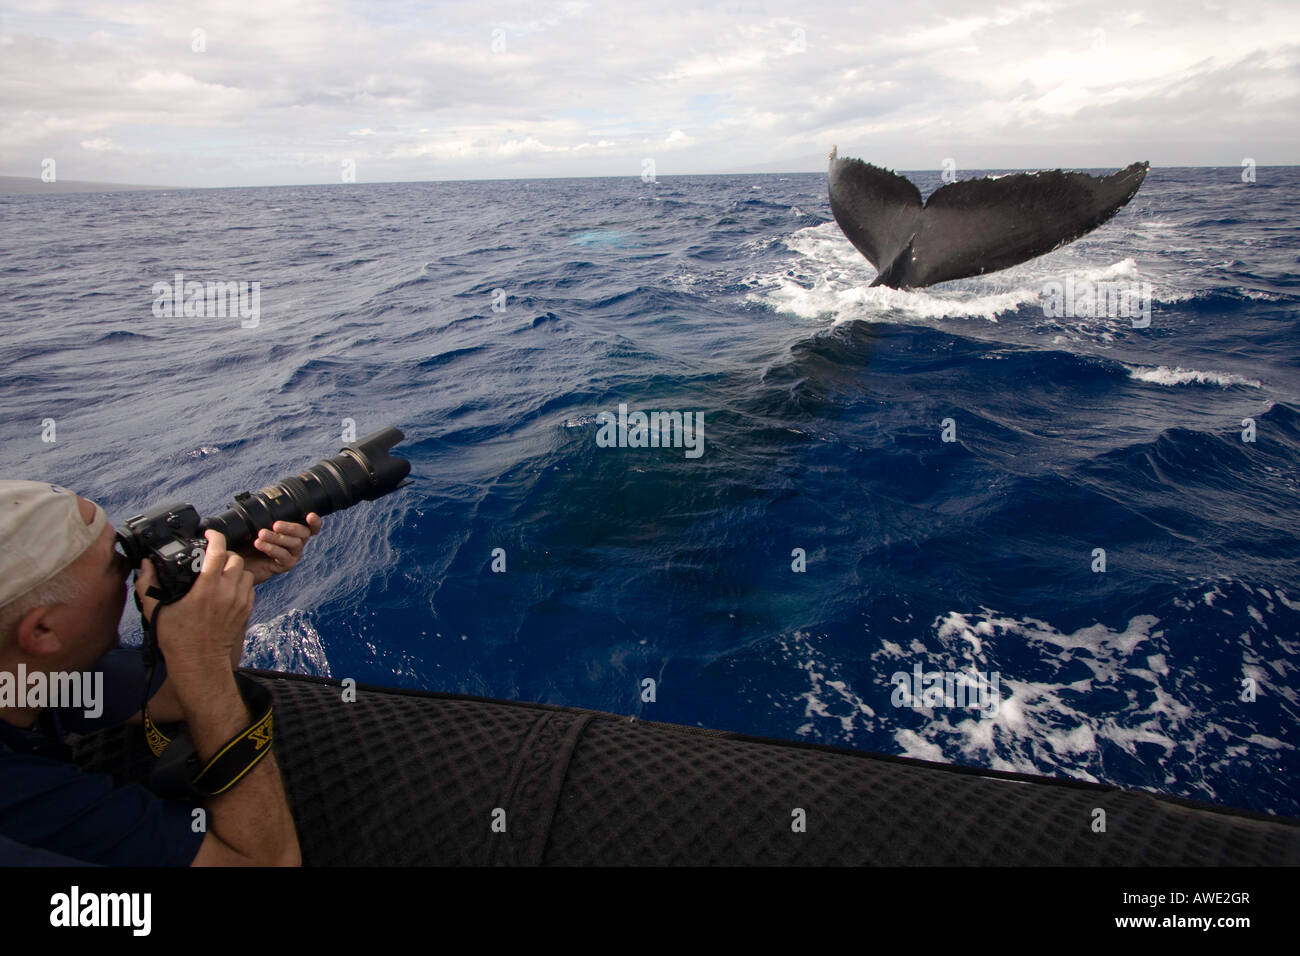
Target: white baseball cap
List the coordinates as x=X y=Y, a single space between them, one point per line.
x=41 y=533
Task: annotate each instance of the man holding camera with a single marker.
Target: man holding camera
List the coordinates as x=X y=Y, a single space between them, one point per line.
x=63 y=587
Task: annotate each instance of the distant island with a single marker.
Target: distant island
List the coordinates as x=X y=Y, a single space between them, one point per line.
x=30 y=185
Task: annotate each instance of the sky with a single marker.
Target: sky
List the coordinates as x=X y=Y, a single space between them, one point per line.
x=279 y=92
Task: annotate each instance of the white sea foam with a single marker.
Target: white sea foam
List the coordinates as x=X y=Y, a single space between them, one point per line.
x=1039 y=723
x=828 y=277
x=914 y=745
x=1043 y=724
x=1070 y=700
x=832 y=279
x=1164 y=375
x=286 y=643
x=829 y=695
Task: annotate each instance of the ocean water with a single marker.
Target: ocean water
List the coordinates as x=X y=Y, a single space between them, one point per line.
x=824 y=406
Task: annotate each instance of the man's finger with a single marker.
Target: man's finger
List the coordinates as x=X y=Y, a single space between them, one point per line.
x=287 y=539
x=291 y=528
x=244 y=592
x=214 y=560
x=275 y=552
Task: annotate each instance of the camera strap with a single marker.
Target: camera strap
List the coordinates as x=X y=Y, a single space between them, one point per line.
x=153 y=735
x=178 y=773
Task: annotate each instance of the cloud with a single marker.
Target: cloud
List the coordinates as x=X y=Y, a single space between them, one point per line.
x=286 y=89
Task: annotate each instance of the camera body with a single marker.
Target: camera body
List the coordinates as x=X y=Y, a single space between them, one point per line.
x=172 y=538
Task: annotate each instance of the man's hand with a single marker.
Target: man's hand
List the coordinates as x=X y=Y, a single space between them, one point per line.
x=202 y=632
x=273 y=552
x=280 y=548
x=200 y=636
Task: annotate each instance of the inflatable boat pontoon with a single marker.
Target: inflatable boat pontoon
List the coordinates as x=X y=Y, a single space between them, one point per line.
x=417 y=778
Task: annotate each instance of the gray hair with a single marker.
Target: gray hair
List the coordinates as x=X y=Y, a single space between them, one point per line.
x=63 y=588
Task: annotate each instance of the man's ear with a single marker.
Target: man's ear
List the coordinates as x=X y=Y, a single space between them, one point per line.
x=36 y=635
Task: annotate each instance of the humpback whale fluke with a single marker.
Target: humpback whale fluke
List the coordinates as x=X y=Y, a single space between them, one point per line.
x=971 y=226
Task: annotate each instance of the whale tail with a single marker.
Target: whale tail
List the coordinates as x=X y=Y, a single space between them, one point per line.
x=969 y=227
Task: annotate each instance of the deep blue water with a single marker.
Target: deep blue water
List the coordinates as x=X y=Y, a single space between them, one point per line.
x=739 y=298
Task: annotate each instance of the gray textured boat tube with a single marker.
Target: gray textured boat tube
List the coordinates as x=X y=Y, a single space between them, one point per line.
x=409 y=778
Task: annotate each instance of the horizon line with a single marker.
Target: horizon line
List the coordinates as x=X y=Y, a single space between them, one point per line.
x=136 y=187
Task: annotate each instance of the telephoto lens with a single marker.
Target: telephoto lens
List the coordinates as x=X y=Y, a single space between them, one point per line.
x=362 y=471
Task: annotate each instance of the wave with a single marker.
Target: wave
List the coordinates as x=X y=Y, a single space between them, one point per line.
x=122 y=335
x=1104 y=703
x=829 y=277
x=288 y=642
x=1164 y=375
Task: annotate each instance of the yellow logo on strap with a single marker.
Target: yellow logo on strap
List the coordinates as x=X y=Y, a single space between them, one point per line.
x=260 y=733
x=156 y=739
